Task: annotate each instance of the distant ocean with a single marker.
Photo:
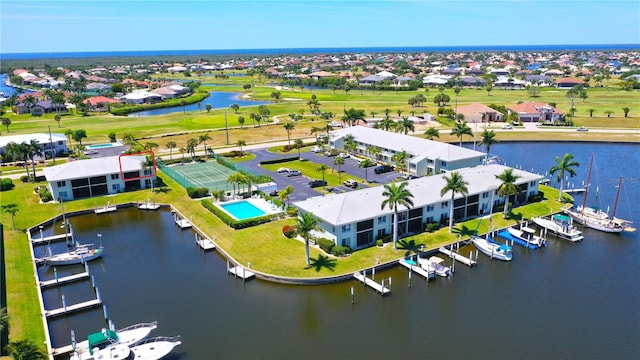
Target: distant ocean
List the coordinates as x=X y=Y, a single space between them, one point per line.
x=300 y=51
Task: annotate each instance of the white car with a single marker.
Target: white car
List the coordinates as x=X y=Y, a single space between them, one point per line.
x=582 y=128
x=284 y=170
x=343 y=155
x=317 y=149
x=507 y=127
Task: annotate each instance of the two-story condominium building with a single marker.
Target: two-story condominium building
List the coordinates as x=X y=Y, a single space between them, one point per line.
x=100 y=176
x=356 y=218
x=54 y=143
x=427 y=157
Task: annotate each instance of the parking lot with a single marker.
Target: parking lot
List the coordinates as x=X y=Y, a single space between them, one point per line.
x=301 y=183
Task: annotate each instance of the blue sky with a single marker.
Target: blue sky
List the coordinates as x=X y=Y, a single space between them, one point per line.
x=87 y=25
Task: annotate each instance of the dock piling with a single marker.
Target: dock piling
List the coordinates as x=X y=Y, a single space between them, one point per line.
x=98 y=294
x=93 y=282
x=389 y=283
x=373 y=274
x=352 y=295
x=64 y=303
x=410 y=267
x=55 y=274
x=104 y=311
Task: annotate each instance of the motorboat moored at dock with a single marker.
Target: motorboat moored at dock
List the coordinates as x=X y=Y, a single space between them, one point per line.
x=524 y=236
x=492 y=249
x=561 y=225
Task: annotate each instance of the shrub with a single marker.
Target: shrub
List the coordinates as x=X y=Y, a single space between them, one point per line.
x=24 y=178
x=339 y=250
x=45 y=194
x=289 y=231
x=431 y=226
x=326 y=245
x=379 y=242
x=278 y=161
x=196 y=193
x=6 y=184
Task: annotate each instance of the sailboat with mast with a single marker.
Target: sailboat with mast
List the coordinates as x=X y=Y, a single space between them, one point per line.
x=595 y=218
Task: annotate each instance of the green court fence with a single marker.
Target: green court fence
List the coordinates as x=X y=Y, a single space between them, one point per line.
x=177 y=177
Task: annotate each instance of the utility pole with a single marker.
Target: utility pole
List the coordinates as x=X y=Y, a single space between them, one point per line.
x=226 y=125
x=53 y=150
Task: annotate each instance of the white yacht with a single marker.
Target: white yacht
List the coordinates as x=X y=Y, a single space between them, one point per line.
x=561 y=225
x=492 y=250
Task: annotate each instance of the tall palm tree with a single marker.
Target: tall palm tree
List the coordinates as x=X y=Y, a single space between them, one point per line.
x=315 y=131
x=306 y=224
x=191 y=146
x=386 y=123
x=395 y=195
x=298 y=144
x=22 y=150
x=182 y=151
x=366 y=164
x=11 y=209
x=285 y=194
x=25 y=350
x=34 y=149
x=171 y=145
x=564 y=165
x=202 y=139
x=431 y=133
x=338 y=161
x=236 y=179
x=460 y=130
x=374 y=151
x=488 y=139
x=322 y=168
x=404 y=125
x=457 y=185
x=507 y=187
x=289 y=126
x=128 y=138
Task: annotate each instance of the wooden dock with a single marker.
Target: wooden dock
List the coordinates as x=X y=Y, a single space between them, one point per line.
x=54 y=238
x=458 y=257
x=380 y=288
x=418 y=270
x=72 y=308
x=148 y=205
x=64 y=280
x=105 y=209
x=241 y=272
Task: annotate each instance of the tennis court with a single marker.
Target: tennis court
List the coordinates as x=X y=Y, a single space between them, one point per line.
x=208 y=174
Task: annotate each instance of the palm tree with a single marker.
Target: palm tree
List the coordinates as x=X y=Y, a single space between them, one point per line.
x=240 y=143
x=460 y=130
x=182 y=151
x=395 y=195
x=6 y=122
x=400 y=159
x=202 y=139
x=191 y=146
x=57 y=118
x=184 y=106
x=404 y=125
x=285 y=194
x=298 y=144
x=322 y=168
x=457 y=185
x=431 y=133
x=241 y=122
x=386 y=123
x=374 y=151
x=488 y=139
x=339 y=161
x=366 y=164
x=306 y=224
x=171 y=145
x=235 y=107
x=315 y=130
x=22 y=151
x=507 y=187
x=34 y=149
x=25 y=350
x=289 y=126
x=564 y=165
x=11 y=209
x=626 y=111
x=236 y=179
x=128 y=139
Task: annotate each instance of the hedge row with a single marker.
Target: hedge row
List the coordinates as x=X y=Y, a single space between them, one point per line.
x=278 y=161
x=236 y=224
x=191 y=99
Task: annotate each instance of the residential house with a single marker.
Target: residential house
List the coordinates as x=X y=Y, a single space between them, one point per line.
x=99 y=103
x=478 y=113
x=356 y=218
x=99 y=176
x=568 y=82
x=141 y=97
x=53 y=143
x=537 y=112
x=426 y=157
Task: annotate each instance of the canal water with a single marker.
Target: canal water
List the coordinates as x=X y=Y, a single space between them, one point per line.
x=217 y=100
x=568 y=300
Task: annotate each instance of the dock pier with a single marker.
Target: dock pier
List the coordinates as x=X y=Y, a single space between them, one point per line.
x=205 y=243
x=380 y=288
x=64 y=279
x=469 y=261
x=240 y=271
x=417 y=269
x=54 y=238
x=73 y=308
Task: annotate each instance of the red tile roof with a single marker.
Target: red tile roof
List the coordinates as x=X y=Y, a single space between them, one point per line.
x=95 y=100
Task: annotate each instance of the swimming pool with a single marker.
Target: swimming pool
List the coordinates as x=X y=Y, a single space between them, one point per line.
x=101 y=146
x=242 y=210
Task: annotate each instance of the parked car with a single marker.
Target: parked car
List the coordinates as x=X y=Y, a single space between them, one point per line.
x=407 y=177
x=582 y=128
x=317 y=183
x=507 y=126
x=294 y=173
x=381 y=169
x=317 y=149
x=344 y=155
x=351 y=183
x=273 y=193
x=284 y=170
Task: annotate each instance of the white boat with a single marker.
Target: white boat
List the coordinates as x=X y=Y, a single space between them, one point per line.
x=106 y=345
x=436 y=264
x=78 y=255
x=561 y=225
x=492 y=250
x=127 y=336
x=528 y=235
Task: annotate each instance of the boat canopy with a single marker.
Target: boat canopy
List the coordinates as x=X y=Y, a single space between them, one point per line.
x=529 y=230
x=560 y=217
x=101 y=338
x=505 y=248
